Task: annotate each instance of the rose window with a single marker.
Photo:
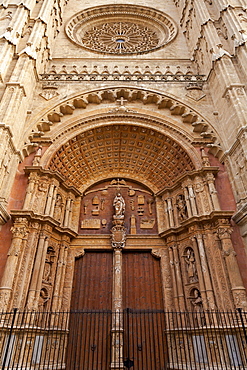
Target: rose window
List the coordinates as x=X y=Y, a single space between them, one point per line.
x=120 y=29
x=120 y=38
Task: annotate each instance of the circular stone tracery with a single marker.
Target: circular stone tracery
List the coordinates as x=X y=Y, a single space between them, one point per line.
x=120 y=38
x=121 y=29
x=125 y=150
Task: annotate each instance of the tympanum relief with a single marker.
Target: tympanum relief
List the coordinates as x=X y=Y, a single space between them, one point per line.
x=102 y=200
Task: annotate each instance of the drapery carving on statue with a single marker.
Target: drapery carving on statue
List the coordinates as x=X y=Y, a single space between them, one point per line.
x=190 y=264
x=119 y=205
x=40 y=195
x=197 y=306
x=37 y=157
x=181 y=208
x=49 y=260
x=59 y=204
x=118 y=230
x=43 y=299
x=202 y=200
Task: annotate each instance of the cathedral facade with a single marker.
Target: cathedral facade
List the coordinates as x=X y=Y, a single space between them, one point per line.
x=123 y=155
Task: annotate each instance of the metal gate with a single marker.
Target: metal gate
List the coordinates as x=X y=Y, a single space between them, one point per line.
x=129 y=339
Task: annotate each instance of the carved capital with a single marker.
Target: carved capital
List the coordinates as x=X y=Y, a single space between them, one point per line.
x=19 y=231
x=224 y=233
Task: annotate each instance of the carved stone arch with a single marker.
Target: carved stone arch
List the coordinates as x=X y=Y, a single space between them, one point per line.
x=190 y=118
x=152 y=152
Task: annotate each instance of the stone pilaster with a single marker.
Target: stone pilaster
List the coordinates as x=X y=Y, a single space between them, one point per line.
x=238 y=290
x=20 y=232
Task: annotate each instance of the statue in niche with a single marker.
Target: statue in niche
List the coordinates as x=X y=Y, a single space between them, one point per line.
x=182 y=208
x=191 y=265
x=43 y=299
x=119 y=205
x=58 y=208
x=197 y=305
x=48 y=265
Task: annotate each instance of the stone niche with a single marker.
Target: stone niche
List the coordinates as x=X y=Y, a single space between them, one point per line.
x=97 y=208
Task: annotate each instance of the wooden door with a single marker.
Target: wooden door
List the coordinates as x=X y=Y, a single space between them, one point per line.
x=91 y=318
x=142 y=286
x=144 y=321
x=89 y=341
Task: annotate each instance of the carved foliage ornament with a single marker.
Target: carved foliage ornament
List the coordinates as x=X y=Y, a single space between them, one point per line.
x=117 y=29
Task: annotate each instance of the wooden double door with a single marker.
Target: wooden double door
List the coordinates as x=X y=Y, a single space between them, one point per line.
x=142 y=315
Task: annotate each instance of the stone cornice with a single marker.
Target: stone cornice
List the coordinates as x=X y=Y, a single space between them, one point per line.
x=52 y=174
x=192 y=174
x=195 y=221
x=44 y=220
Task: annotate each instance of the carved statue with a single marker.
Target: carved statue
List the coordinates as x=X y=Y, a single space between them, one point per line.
x=191 y=265
x=119 y=205
x=58 y=208
x=182 y=208
x=198 y=308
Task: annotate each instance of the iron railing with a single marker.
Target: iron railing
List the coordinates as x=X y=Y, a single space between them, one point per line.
x=129 y=339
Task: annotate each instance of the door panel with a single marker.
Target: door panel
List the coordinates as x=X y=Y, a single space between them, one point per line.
x=142 y=287
x=92 y=286
x=89 y=342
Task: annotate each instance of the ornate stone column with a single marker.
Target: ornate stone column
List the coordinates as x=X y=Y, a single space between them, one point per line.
x=238 y=290
x=163 y=254
x=53 y=200
x=204 y=274
x=166 y=216
x=37 y=273
x=118 y=242
x=60 y=276
x=174 y=283
x=20 y=233
x=179 y=282
x=25 y=267
x=67 y=213
x=68 y=279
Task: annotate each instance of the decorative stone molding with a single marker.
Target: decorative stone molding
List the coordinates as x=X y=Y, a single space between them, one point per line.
x=121 y=29
x=146 y=73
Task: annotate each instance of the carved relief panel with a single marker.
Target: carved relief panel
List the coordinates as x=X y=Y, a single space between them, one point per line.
x=97 y=208
x=47 y=195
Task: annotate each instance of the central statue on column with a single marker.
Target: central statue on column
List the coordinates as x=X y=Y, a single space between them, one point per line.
x=118 y=230
x=119 y=205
